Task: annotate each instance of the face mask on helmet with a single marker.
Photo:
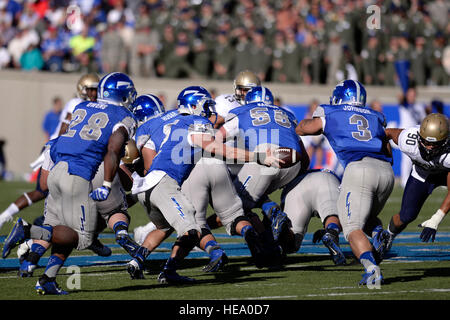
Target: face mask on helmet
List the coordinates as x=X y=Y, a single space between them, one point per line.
x=196 y=100
x=429 y=150
x=433 y=136
x=243 y=82
x=88 y=81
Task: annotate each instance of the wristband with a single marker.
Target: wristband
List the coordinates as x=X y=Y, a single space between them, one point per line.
x=107 y=184
x=438 y=216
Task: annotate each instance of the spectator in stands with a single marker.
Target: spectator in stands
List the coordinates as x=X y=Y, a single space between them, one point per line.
x=5 y=57
x=144 y=46
x=53 y=50
x=82 y=46
x=222 y=57
x=32 y=59
x=113 y=51
x=260 y=55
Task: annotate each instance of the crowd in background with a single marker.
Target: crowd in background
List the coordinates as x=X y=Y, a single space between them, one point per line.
x=293 y=41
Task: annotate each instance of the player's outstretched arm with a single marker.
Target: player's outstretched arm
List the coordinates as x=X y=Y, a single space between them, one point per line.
x=430 y=226
x=393 y=134
x=208 y=143
x=308 y=127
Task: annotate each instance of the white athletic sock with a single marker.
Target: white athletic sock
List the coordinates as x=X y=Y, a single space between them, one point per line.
x=10 y=211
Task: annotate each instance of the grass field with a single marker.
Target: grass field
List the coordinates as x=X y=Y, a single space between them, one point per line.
x=413 y=270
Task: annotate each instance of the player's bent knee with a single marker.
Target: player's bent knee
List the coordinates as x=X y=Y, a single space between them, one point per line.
x=232 y=227
x=188 y=241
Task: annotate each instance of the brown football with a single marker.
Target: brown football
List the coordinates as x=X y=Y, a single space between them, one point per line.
x=288 y=155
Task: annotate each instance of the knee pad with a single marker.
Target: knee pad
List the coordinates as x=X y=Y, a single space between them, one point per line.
x=235 y=222
x=204 y=233
x=188 y=241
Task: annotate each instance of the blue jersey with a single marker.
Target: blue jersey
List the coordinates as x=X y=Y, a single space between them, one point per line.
x=354 y=132
x=168 y=134
x=260 y=123
x=85 y=143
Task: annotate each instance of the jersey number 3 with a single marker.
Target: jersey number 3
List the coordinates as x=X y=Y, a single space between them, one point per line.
x=90 y=131
x=363 y=133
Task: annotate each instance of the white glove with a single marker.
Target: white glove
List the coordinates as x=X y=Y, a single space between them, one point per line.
x=430 y=226
x=434 y=221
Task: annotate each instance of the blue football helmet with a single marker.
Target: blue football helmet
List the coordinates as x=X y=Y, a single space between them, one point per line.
x=349 y=92
x=259 y=94
x=146 y=106
x=196 y=100
x=116 y=88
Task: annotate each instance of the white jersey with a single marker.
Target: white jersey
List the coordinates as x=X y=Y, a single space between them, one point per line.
x=409 y=145
x=224 y=103
x=68 y=108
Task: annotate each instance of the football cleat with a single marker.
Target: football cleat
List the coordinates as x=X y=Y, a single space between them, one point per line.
x=45 y=285
x=331 y=240
x=172 y=277
x=256 y=248
x=374 y=277
x=15 y=237
x=26 y=269
x=135 y=269
x=277 y=217
x=218 y=260
x=100 y=249
x=380 y=244
x=127 y=243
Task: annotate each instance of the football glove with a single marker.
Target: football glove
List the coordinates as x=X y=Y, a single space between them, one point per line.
x=430 y=226
x=317 y=237
x=100 y=194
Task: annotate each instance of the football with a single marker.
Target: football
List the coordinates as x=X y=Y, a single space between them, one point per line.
x=288 y=155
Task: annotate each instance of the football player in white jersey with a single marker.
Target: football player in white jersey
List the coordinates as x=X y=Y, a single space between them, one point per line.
x=244 y=81
x=86 y=90
x=429 y=149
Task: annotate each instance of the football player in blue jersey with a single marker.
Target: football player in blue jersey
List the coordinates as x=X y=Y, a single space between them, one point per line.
x=356 y=134
x=170 y=144
x=86 y=91
x=260 y=125
x=429 y=149
x=98 y=132
x=145 y=108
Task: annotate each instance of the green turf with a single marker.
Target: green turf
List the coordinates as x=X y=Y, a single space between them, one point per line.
x=304 y=277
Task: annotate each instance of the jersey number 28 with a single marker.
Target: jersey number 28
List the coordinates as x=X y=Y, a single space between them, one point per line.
x=90 y=131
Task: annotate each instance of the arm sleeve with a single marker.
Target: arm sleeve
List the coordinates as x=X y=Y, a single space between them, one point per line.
x=320 y=113
x=232 y=126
